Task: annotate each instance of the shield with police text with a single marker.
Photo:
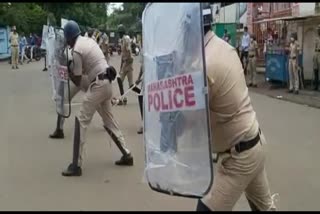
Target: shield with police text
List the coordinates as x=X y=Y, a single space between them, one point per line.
x=60 y=75
x=176 y=125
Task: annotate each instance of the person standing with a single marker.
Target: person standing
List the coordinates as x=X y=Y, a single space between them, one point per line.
x=126 y=68
x=245 y=41
x=253 y=53
x=23 y=45
x=316 y=60
x=14 y=41
x=293 y=64
x=32 y=43
x=88 y=59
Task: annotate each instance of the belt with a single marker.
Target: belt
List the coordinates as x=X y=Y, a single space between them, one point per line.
x=246 y=145
x=252 y=56
x=317 y=50
x=14 y=45
x=101 y=76
x=293 y=57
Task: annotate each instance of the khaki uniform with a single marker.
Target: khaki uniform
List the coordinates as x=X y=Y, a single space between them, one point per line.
x=316 y=62
x=316 y=58
x=126 y=60
x=233 y=120
x=253 y=47
x=293 y=66
x=14 y=39
x=105 y=46
x=89 y=60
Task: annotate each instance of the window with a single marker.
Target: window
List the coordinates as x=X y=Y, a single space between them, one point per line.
x=277 y=7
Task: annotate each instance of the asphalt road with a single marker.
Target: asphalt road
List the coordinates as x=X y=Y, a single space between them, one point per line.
x=31 y=163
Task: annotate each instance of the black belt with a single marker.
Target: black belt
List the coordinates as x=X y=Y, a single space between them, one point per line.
x=293 y=57
x=252 y=56
x=317 y=50
x=101 y=76
x=14 y=45
x=246 y=145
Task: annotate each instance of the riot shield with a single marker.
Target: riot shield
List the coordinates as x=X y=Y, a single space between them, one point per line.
x=60 y=75
x=176 y=125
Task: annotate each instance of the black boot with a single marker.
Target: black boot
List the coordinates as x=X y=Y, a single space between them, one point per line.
x=316 y=79
x=126 y=160
x=72 y=170
x=57 y=134
x=140 y=131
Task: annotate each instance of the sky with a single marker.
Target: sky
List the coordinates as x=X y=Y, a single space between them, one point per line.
x=114 y=5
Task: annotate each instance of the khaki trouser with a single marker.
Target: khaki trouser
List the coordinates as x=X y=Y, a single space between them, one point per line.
x=14 y=55
x=293 y=75
x=236 y=173
x=127 y=71
x=97 y=98
x=252 y=70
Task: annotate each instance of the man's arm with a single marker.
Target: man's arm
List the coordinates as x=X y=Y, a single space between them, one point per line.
x=76 y=73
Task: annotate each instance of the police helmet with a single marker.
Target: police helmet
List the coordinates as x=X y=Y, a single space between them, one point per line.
x=207 y=14
x=71 y=30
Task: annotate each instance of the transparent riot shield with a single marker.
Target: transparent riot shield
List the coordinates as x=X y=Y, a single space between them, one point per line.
x=60 y=75
x=176 y=125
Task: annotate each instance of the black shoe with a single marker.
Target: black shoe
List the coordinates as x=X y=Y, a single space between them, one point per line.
x=315 y=88
x=296 y=92
x=250 y=85
x=255 y=86
x=126 y=160
x=58 y=134
x=140 y=131
x=13 y=67
x=290 y=91
x=72 y=170
x=17 y=67
x=45 y=69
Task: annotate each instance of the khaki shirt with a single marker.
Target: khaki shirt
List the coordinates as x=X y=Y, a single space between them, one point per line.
x=231 y=113
x=253 y=47
x=317 y=45
x=294 y=49
x=88 y=58
x=14 y=39
x=126 y=48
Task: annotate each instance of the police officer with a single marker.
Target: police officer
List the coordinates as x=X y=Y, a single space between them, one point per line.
x=316 y=60
x=253 y=52
x=14 y=40
x=293 y=64
x=104 y=45
x=126 y=68
x=236 y=136
x=88 y=59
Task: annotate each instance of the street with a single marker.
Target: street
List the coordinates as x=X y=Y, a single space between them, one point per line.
x=31 y=163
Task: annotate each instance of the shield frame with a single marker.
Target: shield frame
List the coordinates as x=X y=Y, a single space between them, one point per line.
x=158 y=188
x=67 y=83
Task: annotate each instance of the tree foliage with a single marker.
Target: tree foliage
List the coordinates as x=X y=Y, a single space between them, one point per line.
x=30 y=17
